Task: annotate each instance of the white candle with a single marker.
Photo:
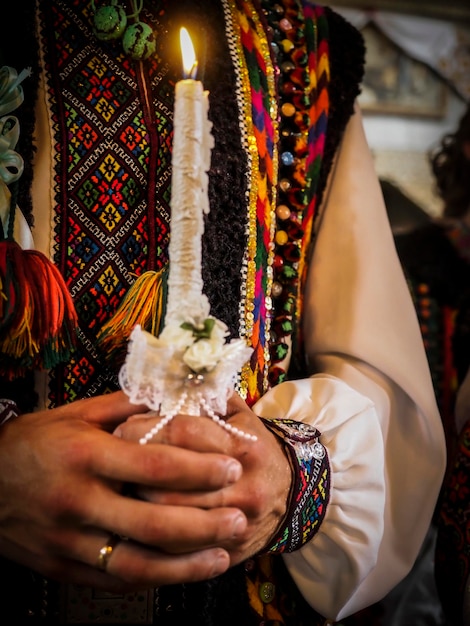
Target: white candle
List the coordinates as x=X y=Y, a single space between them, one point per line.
x=191 y=367
x=192 y=145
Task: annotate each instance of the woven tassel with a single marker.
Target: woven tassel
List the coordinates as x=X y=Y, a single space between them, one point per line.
x=37 y=318
x=143 y=304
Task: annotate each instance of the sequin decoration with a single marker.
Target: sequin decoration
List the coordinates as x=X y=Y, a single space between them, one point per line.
x=288 y=133
x=257 y=98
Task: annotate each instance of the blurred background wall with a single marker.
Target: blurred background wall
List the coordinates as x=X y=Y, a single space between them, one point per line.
x=416 y=88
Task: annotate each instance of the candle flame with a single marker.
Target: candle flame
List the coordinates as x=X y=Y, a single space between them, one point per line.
x=188 y=54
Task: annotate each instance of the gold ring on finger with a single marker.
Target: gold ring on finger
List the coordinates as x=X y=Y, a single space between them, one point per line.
x=106 y=552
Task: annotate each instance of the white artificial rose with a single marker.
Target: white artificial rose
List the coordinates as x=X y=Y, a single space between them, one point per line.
x=219 y=332
x=174 y=335
x=203 y=355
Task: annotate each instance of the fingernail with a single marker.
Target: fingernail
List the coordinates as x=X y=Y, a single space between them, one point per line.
x=234 y=471
x=220 y=564
x=238 y=526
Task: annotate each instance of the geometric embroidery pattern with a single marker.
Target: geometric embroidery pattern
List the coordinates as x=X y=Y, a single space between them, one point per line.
x=104 y=212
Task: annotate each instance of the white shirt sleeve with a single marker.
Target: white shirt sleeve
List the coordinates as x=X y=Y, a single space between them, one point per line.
x=370 y=395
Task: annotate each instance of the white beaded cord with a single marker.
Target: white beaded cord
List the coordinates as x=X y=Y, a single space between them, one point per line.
x=228 y=427
x=210 y=413
x=164 y=421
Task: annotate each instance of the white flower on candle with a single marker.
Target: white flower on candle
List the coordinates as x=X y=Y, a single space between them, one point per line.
x=203 y=355
x=208 y=345
x=175 y=335
x=160 y=371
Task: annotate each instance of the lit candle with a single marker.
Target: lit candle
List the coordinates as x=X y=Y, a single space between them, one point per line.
x=190 y=367
x=192 y=145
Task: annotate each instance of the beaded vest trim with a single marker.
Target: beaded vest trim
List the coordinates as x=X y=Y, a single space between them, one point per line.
x=279 y=224
x=249 y=44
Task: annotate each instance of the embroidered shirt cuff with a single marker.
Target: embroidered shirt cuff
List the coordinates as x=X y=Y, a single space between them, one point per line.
x=311 y=486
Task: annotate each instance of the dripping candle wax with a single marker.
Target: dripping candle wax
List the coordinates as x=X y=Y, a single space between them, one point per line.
x=192 y=145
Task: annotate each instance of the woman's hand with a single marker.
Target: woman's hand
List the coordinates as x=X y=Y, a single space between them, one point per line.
x=261 y=493
x=63 y=481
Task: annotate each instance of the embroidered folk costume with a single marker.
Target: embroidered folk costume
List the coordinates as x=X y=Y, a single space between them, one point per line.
x=282 y=79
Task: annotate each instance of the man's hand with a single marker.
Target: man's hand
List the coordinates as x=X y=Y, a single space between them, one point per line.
x=261 y=493
x=64 y=482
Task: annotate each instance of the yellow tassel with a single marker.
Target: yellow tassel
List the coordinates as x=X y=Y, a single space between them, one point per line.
x=143 y=304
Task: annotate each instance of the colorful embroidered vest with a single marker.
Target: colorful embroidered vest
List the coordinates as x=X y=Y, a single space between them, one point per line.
x=112 y=132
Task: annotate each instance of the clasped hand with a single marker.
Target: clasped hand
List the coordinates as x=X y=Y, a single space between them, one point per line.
x=188 y=505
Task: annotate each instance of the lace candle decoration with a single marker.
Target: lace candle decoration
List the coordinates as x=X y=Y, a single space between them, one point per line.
x=191 y=367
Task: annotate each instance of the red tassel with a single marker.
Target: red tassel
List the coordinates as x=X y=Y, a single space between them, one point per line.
x=37 y=316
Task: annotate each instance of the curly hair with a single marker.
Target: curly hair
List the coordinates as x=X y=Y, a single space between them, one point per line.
x=450 y=165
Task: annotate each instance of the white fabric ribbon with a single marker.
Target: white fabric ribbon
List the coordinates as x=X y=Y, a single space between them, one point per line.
x=11 y=91
x=11 y=163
